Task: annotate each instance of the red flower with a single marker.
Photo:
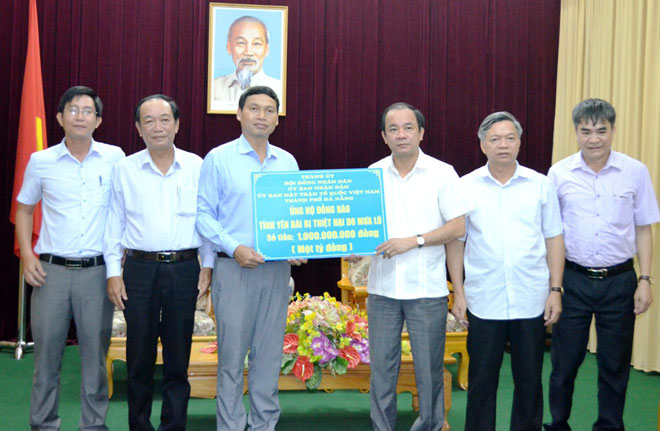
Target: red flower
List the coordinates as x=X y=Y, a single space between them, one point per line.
x=303 y=369
x=356 y=336
x=350 y=327
x=290 y=343
x=351 y=354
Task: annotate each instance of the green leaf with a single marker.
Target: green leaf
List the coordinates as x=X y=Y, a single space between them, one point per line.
x=339 y=365
x=313 y=382
x=288 y=361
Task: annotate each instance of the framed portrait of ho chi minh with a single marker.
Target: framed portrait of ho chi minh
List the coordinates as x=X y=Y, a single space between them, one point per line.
x=247 y=48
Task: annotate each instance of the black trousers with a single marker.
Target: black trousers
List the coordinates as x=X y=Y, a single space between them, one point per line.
x=161 y=303
x=485 y=344
x=611 y=301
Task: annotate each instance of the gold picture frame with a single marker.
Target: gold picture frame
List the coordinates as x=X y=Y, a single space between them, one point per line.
x=247 y=47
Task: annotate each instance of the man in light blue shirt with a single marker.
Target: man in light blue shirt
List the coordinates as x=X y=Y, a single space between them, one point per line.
x=250 y=295
x=514 y=260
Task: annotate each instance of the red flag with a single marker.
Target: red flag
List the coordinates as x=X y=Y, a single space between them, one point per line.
x=32 y=122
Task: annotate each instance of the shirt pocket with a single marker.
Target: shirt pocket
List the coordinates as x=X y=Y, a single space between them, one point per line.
x=187 y=200
x=101 y=190
x=621 y=208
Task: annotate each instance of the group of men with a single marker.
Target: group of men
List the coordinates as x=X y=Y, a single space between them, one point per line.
x=146 y=223
x=523 y=251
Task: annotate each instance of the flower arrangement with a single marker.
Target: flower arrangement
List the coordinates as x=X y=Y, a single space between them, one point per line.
x=322 y=333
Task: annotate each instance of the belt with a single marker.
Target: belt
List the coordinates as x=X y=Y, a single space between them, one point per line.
x=221 y=254
x=163 y=256
x=603 y=272
x=85 y=262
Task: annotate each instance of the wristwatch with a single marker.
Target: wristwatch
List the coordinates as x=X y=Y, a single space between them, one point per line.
x=557 y=289
x=420 y=241
x=645 y=277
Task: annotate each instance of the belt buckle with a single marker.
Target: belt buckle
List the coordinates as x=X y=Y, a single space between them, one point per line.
x=165 y=257
x=597 y=273
x=73 y=263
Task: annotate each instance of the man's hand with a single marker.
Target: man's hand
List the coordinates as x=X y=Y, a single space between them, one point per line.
x=354 y=258
x=394 y=246
x=204 y=281
x=643 y=296
x=459 y=309
x=552 y=308
x=297 y=262
x=117 y=291
x=33 y=271
x=247 y=257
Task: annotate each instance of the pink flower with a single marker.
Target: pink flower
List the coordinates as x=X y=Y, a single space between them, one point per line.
x=211 y=348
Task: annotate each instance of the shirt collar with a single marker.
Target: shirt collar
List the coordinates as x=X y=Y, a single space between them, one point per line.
x=144 y=160
x=244 y=147
x=63 y=150
x=613 y=161
x=423 y=162
x=520 y=172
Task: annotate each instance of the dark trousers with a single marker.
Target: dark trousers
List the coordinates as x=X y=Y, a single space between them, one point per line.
x=610 y=300
x=161 y=303
x=485 y=345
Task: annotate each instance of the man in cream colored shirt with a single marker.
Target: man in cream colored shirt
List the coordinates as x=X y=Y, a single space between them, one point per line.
x=407 y=278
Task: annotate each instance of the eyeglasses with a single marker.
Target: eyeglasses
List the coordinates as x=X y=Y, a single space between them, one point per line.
x=87 y=112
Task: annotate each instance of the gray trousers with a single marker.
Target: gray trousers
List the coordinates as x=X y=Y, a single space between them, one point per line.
x=426 y=321
x=81 y=294
x=250 y=307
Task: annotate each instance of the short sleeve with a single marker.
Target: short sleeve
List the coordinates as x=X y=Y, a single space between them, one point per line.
x=31 y=190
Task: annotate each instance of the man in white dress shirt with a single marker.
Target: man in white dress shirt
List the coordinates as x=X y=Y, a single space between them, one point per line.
x=247 y=43
x=152 y=222
x=407 y=277
x=514 y=259
x=72 y=181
